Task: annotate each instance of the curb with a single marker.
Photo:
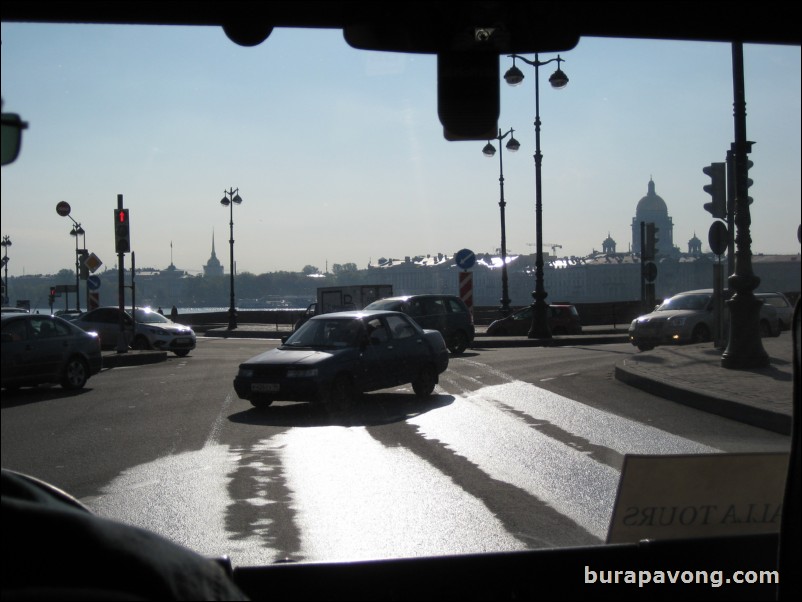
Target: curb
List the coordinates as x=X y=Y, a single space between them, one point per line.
x=707 y=402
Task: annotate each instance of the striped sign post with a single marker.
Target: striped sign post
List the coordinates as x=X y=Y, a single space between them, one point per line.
x=466 y=289
x=465 y=259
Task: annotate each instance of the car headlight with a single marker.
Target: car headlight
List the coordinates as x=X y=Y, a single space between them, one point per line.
x=246 y=372
x=302 y=373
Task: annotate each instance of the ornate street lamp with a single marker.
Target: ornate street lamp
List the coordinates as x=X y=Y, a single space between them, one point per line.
x=6 y=243
x=230 y=199
x=489 y=150
x=540 y=326
x=77 y=231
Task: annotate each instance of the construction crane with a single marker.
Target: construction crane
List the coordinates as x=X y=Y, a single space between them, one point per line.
x=553 y=246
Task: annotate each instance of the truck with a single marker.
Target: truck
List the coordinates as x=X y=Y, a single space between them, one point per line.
x=344 y=298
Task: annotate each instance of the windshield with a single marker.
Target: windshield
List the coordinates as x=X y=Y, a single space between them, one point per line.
x=148 y=316
x=327 y=334
x=692 y=302
x=257 y=180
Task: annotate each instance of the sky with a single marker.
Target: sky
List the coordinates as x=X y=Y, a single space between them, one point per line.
x=339 y=156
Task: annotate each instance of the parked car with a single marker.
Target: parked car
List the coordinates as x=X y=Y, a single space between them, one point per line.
x=334 y=357
x=13 y=310
x=445 y=313
x=563 y=319
x=153 y=330
x=68 y=314
x=688 y=317
x=785 y=311
x=38 y=349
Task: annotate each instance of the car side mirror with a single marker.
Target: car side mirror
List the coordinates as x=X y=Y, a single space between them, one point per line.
x=284 y=338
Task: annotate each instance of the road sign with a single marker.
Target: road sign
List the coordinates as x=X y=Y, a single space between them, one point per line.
x=465 y=259
x=717 y=237
x=93 y=300
x=93 y=262
x=63 y=208
x=93 y=283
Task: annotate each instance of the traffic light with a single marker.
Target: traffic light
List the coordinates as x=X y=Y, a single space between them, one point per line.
x=650 y=249
x=122 y=231
x=52 y=296
x=749 y=180
x=83 y=255
x=717 y=189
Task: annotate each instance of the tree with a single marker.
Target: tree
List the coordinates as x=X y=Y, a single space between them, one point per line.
x=310 y=269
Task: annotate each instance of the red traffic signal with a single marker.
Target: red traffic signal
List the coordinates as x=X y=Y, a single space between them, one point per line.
x=122 y=231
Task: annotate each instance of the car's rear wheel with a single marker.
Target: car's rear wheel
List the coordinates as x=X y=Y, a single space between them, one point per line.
x=425 y=383
x=261 y=402
x=76 y=373
x=645 y=346
x=459 y=342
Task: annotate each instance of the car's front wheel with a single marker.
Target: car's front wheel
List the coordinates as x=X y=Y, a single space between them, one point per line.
x=701 y=334
x=141 y=343
x=425 y=383
x=342 y=393
x=261 y=402
x=76 y=373
x=645 y=346
x=181 y=352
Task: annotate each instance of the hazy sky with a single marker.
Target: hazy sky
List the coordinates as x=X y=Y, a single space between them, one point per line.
x=339 y=156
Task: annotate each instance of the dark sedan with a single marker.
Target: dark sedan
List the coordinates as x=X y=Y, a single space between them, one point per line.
x=334 y=357
x=563 y=319
x=38 y=349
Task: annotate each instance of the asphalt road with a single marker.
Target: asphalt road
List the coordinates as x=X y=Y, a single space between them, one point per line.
x=519 y=448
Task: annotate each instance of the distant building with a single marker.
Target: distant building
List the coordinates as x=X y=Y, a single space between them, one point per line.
x=213 y=267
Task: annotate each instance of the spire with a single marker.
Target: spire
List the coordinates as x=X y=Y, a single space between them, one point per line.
x=214 y=255
x=651 y=187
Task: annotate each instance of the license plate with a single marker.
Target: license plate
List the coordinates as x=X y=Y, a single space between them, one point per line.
x=183 y=341
x=264 y=387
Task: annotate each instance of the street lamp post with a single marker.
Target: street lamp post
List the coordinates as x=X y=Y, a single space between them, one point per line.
x=489 y=150
x=229 y=200
x=77 y=231
x=6 y=243
x=558 y=79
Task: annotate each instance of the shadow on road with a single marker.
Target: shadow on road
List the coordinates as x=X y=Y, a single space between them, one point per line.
x=370 y=409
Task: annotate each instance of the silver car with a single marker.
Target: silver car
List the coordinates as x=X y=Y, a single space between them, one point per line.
x=153 y=330
x=688 y=318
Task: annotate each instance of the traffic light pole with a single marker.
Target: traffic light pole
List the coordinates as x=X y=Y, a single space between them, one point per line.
x=744 y=349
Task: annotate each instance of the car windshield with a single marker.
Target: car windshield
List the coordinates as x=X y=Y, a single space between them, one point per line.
x=691 y=302
x=150 y=317
x=234 y=185
x=332 y=333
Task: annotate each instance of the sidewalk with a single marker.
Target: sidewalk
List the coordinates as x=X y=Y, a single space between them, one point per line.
x=692 y=375
x=687 y=374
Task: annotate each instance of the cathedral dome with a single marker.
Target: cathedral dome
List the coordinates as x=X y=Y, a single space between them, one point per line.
x=651 y=203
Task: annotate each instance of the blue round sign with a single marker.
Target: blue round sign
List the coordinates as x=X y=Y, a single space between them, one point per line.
x=465 y=259
x=93 y=283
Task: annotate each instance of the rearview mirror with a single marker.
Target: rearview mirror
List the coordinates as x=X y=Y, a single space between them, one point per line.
x=11 y=136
